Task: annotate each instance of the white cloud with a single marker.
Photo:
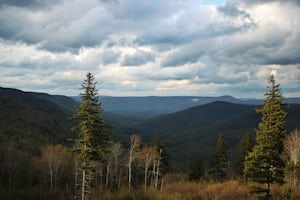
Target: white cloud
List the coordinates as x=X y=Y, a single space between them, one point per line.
x=151 y=47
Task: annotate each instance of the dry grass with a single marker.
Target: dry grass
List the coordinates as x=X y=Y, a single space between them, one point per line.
x=211 y=191
x=185 y=190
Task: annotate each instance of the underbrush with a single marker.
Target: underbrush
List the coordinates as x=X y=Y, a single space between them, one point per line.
x=34 y=193
x=184 y=191
x=211 y=190
x=228 y=190
x=174 y=190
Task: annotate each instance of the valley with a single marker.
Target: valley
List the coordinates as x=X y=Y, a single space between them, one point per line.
x=187 y=124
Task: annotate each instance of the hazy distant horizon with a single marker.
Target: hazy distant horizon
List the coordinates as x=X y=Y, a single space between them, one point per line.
x=146 y=96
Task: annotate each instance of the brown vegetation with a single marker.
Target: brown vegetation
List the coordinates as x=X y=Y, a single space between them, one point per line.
x=228 y=190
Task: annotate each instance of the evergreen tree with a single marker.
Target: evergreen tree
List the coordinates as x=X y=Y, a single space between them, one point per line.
x=93 y=137
x=219 y=164
x=244 y=147
x=161 y=162
x=160 y=146
x=263 y=164
x=196 y=168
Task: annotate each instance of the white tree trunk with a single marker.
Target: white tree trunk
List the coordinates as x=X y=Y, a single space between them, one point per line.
x=129 y=175
x=83 y=185
x=145 y=178
x=107 y=175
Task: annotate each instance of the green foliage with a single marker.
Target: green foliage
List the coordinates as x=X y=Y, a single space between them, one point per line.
x=219 y=164
x=196 y=168
x=263 y=164
x=244 y=147
x=30 y=121
x=159 y=145
x=93 y=137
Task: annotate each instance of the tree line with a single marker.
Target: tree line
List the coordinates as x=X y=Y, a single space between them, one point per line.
x=274 y=157
x=96 y=162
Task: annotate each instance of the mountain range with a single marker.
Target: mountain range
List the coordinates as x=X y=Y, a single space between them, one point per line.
x=195 y=130
x=151 y=106
x=186 y=124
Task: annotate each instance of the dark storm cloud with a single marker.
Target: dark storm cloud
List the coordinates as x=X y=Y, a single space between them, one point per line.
x=286 y=59
x=54 y=30
x=138 y=58
x=31 y=4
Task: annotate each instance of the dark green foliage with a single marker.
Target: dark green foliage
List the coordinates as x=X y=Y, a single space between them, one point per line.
x=244 y=147
x=196 y=168
x=219 y=164
x=186 y=130
x=263 y=164
x=30 y=121
x=159 y=145
x=35 y=119
x=14 y=167
x=93 y=137
x=200 y=126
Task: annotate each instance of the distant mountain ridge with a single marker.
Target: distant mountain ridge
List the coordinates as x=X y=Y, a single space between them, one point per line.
x=196 y=129
x=30 y=118
x=151 y=106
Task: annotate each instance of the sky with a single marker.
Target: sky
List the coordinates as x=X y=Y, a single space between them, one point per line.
x=151 y=47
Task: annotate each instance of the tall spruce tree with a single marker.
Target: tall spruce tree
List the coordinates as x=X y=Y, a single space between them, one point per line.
x=219 y=164
x=93 y=137
x=264 y=165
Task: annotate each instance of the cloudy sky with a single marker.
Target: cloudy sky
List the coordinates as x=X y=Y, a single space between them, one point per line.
x=151 y=47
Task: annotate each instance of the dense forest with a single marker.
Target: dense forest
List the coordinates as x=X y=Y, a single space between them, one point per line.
x=53 y=147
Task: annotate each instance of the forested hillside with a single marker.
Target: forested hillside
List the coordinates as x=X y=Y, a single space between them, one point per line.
x=196 y=129
x=32 y=119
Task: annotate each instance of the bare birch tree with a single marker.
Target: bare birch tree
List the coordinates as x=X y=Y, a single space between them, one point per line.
x=56 y=160
x=135 y=143
x=146 y=157
x=116 y=151
x=292 y=149
x=157 y=171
